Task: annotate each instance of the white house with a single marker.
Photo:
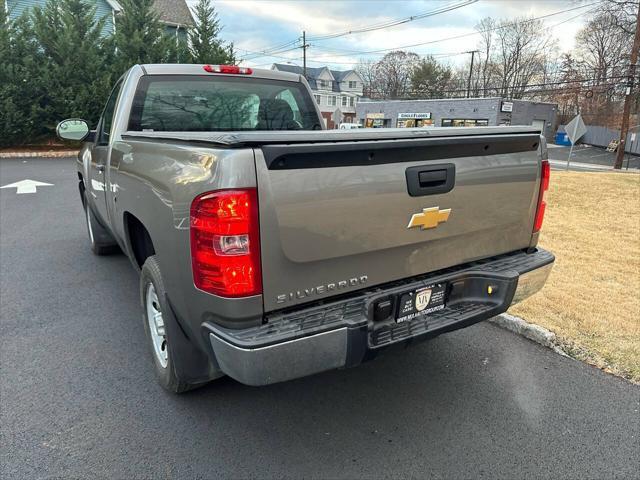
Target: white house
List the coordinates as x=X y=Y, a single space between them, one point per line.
x=336 y=92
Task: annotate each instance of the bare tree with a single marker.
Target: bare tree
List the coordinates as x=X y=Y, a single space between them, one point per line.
x=600 y=64
x=568 y=94
x=522 y=47
x=366 y=68
x=624 y=14
x=485 y=73
x=603 y=47
x=390 y=77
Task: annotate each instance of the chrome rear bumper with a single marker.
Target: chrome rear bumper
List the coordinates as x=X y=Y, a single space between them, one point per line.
x=531 y=282
x=343 y=334
x=283 y=361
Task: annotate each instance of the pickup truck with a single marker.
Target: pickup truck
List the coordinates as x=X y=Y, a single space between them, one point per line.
x=270 y=248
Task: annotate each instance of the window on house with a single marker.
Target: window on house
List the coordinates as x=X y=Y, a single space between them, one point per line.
x=344 y=101
x=353 y=84
x=331 y=100
x=324 y=83
x=318 y=98
x=352 y=101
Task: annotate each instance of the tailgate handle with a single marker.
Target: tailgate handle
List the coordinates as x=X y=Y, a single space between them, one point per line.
x=430 y=179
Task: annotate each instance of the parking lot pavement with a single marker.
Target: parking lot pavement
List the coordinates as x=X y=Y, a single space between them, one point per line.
x=78 y=397
x=588 y=158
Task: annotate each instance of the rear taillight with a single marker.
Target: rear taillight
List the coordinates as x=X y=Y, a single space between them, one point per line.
x=225 y=243
x=544 y=186
x=232 y=69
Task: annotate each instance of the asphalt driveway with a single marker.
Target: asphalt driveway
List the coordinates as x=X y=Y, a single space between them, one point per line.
x=588 y=158
x=78 y=397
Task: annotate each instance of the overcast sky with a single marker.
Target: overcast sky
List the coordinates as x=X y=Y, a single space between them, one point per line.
x=254 y=25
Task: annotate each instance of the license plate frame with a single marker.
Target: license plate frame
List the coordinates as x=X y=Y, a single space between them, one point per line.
x=420 y=302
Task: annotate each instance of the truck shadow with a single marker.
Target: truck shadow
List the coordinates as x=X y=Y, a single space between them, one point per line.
x=462 y=402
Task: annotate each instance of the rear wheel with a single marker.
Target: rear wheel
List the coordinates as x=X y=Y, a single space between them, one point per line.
x=102 y=243
x=178 y=366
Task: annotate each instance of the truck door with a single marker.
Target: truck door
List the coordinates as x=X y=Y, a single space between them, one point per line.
x=100 y=153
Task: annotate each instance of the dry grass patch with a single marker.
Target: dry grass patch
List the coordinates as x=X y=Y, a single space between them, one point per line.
x=592 y=298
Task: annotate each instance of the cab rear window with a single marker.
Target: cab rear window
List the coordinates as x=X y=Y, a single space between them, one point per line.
x=198 y=103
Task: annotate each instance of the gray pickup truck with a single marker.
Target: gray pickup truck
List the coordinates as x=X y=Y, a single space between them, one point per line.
x=270 y=248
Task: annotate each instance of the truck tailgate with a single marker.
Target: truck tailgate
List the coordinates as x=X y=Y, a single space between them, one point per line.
x=336 y=217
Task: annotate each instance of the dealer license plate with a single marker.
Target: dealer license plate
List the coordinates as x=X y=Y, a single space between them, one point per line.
x=421 y=302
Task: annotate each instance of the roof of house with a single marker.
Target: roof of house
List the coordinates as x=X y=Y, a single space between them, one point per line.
x=314 y=72
x=115 y=5
x=174 y=12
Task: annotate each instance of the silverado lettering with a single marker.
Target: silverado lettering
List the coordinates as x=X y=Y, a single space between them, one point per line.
x=320 y=289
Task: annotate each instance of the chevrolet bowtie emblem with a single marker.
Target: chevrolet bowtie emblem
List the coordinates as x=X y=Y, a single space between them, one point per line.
x=429 y=218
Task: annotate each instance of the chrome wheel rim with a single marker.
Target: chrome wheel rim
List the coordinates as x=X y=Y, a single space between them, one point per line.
x=89 y=224
x=156 y=326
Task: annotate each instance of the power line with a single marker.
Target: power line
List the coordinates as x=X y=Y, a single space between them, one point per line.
x=296 y=59
x=393 y=23
x=443 y=55
x=273 y=54
x=461 y=93
x=525 y=89
x=333 y=49
x=275 y=48
x=455 y=37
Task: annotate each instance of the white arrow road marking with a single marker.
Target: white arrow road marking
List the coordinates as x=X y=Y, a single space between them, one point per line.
x=27 y=186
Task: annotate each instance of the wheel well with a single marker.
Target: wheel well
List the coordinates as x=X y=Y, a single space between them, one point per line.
x=139 y=239
x=81 y=187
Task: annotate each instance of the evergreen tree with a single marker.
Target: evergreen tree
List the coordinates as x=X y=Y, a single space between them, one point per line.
x=179 y=50
x=140 y=37
x=206 y=46
x=430 y=79
x=76 y=61
x=21 y=83
x=55 y=62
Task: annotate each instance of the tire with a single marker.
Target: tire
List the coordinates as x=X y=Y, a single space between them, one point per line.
x=178 y=365
x=102 y=243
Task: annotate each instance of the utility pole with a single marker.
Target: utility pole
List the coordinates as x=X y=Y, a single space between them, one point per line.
x=304 y=53
x=472 y=52
x=627 y=99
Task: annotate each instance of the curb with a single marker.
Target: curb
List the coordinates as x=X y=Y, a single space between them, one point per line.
x=547 y=338
x=592 y=166
x=43 y=154
x=533 y=332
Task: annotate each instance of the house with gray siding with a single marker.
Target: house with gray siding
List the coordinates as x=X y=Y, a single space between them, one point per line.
x=457 y=112
x=174 y=14
x=335 y=91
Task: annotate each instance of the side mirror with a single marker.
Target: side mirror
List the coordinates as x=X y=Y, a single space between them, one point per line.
x=72 y=129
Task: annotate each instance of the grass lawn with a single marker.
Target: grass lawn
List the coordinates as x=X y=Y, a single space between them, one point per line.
x=592 y=298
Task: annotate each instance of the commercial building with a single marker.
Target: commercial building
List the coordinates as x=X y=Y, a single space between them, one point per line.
x=336 y=91
x=457 y=112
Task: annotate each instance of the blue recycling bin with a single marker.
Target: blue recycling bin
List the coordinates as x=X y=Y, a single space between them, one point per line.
x=562 y=139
